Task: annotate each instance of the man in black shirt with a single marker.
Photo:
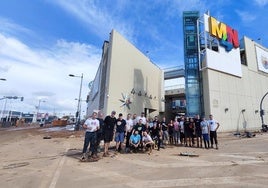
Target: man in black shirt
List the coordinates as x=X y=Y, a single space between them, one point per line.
x=108 y=131
x=198 y=131
x=139 y=127
x=120 y=132
x=155 y=132
x=164 y=127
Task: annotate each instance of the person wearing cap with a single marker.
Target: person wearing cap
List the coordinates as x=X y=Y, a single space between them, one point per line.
x=108 y=131
x=120 y=132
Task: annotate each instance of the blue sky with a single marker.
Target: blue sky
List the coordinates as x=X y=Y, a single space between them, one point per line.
x=42 y=41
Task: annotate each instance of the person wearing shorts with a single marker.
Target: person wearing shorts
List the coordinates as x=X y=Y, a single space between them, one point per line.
x=120 y=132
x=108 y=131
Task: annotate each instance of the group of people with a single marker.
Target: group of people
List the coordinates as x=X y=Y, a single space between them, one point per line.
x=195 y=130
x=137 y=133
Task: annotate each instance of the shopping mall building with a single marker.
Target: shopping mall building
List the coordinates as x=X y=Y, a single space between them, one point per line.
x=224 y=76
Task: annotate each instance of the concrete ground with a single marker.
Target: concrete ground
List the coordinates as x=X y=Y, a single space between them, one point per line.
x=28 y=160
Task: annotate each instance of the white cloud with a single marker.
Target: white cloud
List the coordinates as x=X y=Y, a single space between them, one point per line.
x=261 y=3
x=245 y=16
x=10 y=27
x=98 y=18
x=43 y=74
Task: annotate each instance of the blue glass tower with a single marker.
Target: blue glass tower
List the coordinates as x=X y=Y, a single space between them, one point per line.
x=191 y=61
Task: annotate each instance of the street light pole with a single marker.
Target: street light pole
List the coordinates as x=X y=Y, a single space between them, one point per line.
x=38 y=107
x=78 y=112
x=264 y=127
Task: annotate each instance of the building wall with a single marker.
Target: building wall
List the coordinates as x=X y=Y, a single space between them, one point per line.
x=223 y=91
x=97 y=95
x=130 y=70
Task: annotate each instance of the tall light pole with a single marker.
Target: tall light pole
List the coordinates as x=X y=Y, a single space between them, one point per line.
x=78 y=112
x=38 y=107
x=4 y=109
x=264 y=127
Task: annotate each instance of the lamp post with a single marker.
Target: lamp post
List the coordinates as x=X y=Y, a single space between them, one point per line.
x=78 y=112
x=264 y=127
x=38 y=107
x=4 y=109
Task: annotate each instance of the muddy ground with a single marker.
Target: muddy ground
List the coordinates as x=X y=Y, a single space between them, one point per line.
x=28 y=160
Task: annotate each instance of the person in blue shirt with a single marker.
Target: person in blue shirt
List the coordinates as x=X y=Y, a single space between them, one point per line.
x=134 y=141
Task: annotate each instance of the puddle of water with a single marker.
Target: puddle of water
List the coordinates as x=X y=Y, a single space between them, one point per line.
x=67 y=127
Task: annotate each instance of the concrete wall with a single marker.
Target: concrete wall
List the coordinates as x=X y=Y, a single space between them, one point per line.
x=223 y=91
x=129 y=69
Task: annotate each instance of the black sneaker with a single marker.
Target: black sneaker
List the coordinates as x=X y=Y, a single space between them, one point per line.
x=83 y=158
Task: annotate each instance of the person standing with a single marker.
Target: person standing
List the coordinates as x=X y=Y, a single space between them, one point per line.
x=213 y=127
x=171 y=132
x=120 y=132
x=129 y=127
x=91 y=125
x=108 y=131
x=99 y=132
x=135 y=119
x=176 y=133
x=140 y=127
x=205 y=130
x=164 y=127
x=156 y=134
x=144 y=120
x=198 y=131
x=182 y=135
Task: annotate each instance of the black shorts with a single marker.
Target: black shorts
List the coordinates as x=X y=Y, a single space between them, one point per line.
x=149 y=145
x=108 y=135
x=198 y=133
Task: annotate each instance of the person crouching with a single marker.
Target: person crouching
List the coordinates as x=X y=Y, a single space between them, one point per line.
x=148 y=142
x=134 y=141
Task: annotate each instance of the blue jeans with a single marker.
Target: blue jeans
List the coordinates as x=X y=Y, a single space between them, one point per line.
x=176 y=135
x=90 y=137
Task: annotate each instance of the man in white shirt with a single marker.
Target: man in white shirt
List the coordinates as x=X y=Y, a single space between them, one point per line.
x=144 y=121
x=213 y=127
x=91 y=126
x=129 y=127
x=147 y=142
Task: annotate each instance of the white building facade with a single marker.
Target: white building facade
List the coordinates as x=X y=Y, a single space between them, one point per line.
x=126 y=81
x=234 y=80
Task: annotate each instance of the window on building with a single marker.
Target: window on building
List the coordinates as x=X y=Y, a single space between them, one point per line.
x=243 y=57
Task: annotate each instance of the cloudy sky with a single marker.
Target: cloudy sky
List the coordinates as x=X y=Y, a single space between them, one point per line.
x=43 y=41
